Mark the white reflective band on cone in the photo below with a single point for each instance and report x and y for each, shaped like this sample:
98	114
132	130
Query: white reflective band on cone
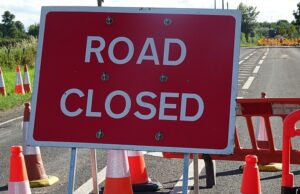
19	79
261	128
2	85
117	164
28	150
24	126
135	153
19	187
26	78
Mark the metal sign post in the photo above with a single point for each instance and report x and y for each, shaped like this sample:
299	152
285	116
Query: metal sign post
185	173
93	156
72	171
196	174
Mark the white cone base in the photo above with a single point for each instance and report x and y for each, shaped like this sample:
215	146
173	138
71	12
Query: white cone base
19	187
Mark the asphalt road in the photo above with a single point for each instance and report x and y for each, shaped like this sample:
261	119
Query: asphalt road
273	70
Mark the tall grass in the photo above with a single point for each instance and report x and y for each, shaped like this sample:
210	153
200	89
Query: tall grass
22	53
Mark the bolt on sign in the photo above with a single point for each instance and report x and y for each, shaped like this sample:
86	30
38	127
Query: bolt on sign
155	79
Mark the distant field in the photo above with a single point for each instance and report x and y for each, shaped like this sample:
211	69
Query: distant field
12	100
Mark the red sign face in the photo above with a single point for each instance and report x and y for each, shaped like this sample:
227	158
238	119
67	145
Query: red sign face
161	79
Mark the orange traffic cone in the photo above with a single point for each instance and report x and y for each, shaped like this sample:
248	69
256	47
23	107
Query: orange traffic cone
33	158
263	143
26	82
19	83
117	173
138	173
2	84
18	180
262	137
250	179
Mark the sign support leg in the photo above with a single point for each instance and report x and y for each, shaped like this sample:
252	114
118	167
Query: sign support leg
94	170
210	168
196	174
72	170
185	173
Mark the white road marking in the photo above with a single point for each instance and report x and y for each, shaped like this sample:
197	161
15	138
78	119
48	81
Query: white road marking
241	61
11	120
177	189
264	57
260	62
252	53
244	71
87	187
247	57
157	154
256	69
244	74
248	65
248	83
246	68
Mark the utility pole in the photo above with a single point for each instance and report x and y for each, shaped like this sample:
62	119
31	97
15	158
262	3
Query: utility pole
215	4
222	4
227	5
100	2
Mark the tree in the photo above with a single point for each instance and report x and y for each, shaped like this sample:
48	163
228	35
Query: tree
282	27
7	18
291	31
20	26
33	30
12	31
297	15
10	28
1	30
249	15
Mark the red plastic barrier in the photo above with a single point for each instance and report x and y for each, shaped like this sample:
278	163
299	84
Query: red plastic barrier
266	108
289	132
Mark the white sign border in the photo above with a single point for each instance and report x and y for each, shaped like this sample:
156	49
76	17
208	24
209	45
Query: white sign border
230	143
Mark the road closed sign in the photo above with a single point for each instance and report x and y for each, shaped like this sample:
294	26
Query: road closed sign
136	78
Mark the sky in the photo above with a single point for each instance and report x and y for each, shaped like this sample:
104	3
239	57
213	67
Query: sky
28	11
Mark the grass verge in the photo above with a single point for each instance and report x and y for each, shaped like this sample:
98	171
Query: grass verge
13	100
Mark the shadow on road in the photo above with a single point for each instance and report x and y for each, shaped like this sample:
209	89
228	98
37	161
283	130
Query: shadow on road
279	176
225	173
4	188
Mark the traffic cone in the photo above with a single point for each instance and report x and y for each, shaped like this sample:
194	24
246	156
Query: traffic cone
18	180
261	132
19	83
26	82
138	173
117	173
263	143
33	159
250	179
2	84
